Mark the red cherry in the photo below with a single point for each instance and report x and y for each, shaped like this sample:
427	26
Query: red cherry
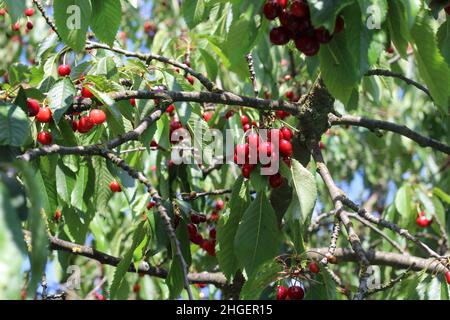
220	205
246	171
295	293
287	133
97	116
64	70
114	186
285	148
307	45
33	107
242	150
246	127
30	25
154	144
85	124
212	233
133	102
74	124
86	93
282	3
196	238
45	137
44	115
2	12
279	36
266	148
136	288
29	12
271	9
288	161
57	215
253	140
321	145
192	229
150	204
322	35
447	274
16	26
244	120
276	180
207	116
170	109
229	114
147	26
340	24
299	9
314	267
282	293
190	79
274	133
214	216
175	125
197	218
282	114
290	95
423	221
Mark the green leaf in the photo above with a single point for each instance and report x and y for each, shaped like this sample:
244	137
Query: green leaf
15	8
72	18
306	189
404	203
124	264
12	250
193	11
339	72
39	239
325	12
228	225
79	188
102	179
432	67
106	17
14	125
61	97
258	237
443	38
263	277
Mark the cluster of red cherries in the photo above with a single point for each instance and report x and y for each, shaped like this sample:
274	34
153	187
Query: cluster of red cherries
209	245
296	25
28	12
295	292
247	155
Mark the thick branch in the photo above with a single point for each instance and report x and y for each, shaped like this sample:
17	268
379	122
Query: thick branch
216	279
373	124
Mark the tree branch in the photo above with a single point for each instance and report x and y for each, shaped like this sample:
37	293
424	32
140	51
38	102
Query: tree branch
388	73
373	124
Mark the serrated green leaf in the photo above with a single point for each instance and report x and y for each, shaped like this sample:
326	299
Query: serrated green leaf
61	97
258	237
106	17
72	18
14	125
